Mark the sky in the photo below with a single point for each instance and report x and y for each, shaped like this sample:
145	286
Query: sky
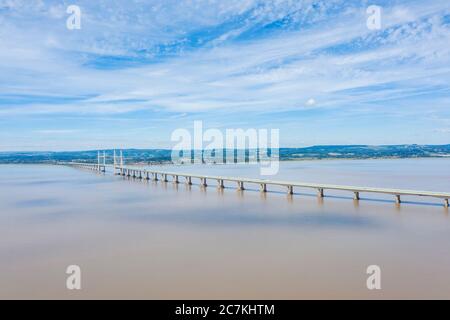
138	70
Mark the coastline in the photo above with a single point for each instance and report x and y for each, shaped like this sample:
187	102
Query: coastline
164	163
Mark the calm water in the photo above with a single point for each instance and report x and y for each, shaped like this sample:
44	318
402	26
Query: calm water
136	239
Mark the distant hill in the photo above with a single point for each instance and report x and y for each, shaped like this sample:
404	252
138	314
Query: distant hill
366	152
315	152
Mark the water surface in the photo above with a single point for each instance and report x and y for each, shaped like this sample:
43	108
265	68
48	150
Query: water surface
137	239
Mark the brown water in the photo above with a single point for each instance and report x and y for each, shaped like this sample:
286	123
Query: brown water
135	239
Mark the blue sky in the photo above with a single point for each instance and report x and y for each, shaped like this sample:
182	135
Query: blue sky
137	70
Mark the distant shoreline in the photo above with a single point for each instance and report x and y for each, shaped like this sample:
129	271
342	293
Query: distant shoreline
164	156
252	162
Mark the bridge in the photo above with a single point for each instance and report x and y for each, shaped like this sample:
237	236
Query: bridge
176	177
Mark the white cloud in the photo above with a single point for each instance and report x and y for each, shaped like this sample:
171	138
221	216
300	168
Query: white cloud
323	55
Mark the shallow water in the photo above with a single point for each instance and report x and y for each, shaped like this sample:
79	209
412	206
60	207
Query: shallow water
137	239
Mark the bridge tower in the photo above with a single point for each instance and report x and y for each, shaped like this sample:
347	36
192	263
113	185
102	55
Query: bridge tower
101	166
115	162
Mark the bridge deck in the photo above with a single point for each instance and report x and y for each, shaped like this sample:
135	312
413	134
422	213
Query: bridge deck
435	194
144	173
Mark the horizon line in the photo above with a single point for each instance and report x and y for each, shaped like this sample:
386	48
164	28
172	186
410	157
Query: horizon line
168	149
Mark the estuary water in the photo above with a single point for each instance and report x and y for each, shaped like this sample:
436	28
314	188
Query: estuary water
156	240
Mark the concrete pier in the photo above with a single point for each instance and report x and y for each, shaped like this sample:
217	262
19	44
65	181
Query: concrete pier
290	189
320	192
